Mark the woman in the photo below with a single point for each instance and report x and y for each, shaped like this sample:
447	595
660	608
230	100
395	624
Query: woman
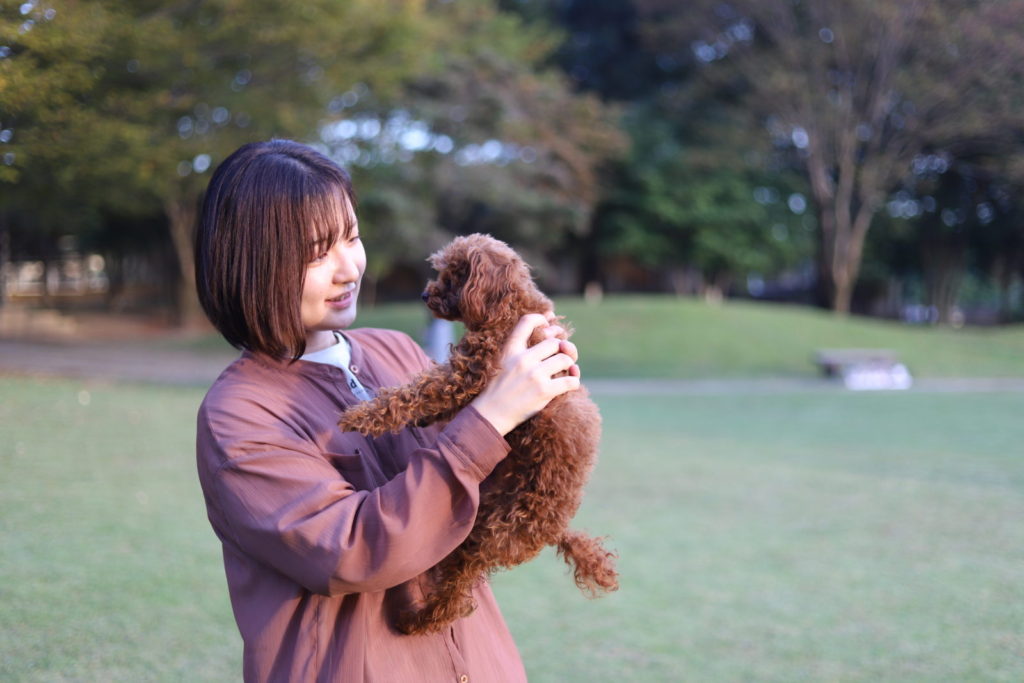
327	534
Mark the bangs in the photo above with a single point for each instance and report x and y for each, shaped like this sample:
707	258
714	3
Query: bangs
330	218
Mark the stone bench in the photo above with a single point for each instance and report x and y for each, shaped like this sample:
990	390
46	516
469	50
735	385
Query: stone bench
864	368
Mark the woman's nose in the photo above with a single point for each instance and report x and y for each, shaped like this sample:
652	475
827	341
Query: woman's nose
346	269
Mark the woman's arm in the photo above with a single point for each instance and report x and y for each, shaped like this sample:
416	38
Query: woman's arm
291	510
274	497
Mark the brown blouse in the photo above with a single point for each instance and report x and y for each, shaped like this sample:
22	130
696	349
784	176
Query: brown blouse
325	534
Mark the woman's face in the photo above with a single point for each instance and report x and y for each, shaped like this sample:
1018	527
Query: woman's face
331	287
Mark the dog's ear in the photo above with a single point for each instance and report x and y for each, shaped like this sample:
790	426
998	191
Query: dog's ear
491	292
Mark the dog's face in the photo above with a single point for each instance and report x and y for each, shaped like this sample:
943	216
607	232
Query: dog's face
443	293
479	280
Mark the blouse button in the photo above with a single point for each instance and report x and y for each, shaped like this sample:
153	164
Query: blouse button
463	678
354	368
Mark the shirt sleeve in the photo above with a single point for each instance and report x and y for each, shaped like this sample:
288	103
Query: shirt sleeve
291	509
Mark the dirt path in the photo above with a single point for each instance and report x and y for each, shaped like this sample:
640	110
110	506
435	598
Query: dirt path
122	349
110	361
104	347
142	362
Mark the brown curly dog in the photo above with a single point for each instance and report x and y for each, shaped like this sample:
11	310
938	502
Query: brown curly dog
527	501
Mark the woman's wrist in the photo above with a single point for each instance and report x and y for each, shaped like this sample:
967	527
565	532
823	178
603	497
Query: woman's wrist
496	417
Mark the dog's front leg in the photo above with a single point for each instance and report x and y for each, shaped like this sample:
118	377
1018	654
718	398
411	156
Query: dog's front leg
436	395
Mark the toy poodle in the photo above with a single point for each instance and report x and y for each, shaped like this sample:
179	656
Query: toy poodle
527	501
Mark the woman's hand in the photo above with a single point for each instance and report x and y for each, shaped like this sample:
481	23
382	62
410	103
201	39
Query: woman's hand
527	380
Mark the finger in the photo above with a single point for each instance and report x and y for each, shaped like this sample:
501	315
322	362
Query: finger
520	334
561	385
556	364
569	349
541	351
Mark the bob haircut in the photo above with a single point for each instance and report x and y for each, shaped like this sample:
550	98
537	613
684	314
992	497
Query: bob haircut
269	209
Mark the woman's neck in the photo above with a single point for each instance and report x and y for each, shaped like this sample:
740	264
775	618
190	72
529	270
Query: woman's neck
320	340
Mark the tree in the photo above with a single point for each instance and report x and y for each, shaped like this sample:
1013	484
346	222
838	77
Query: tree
132	103
682	204
486	138
158	93
698	197
953	219
856	90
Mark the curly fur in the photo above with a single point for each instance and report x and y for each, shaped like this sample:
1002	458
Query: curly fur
527	501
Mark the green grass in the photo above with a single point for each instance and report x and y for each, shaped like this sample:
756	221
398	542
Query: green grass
820	536
814	537
687	338
659	336
108	569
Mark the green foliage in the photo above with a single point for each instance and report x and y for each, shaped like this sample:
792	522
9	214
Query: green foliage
856	91
513	150
681	200
669	136
157	94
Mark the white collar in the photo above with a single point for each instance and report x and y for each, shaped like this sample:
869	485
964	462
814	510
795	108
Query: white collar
338	353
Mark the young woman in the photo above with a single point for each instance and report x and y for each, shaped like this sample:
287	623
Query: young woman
327	534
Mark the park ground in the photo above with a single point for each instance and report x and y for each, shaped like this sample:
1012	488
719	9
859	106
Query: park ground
770	527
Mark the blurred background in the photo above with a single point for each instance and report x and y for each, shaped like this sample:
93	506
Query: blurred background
858	157
737	204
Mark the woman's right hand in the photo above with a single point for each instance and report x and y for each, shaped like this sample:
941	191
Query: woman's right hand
526	382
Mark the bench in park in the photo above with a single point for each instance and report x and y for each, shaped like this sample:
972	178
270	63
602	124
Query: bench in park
864	368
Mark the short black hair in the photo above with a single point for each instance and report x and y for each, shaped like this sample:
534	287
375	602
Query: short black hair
268	209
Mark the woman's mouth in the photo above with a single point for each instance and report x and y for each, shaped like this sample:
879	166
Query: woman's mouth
342	300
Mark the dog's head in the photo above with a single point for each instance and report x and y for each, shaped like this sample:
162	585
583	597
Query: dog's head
482	282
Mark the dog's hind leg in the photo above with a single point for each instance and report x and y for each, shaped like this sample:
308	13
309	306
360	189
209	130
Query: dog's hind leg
449	599
593	566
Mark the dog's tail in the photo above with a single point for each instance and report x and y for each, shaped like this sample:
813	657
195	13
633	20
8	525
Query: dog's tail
593	567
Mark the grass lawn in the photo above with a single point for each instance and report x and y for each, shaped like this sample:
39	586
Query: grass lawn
687	338
670	337
814	537
823	536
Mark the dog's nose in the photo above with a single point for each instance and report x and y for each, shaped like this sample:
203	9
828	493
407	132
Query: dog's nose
424	295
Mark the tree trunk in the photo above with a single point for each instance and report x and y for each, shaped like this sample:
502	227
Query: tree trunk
181	218
842	251
50	280
944	263
822	192
5	257
114	267
842	295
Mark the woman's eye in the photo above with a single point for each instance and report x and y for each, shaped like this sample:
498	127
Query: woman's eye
354	239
